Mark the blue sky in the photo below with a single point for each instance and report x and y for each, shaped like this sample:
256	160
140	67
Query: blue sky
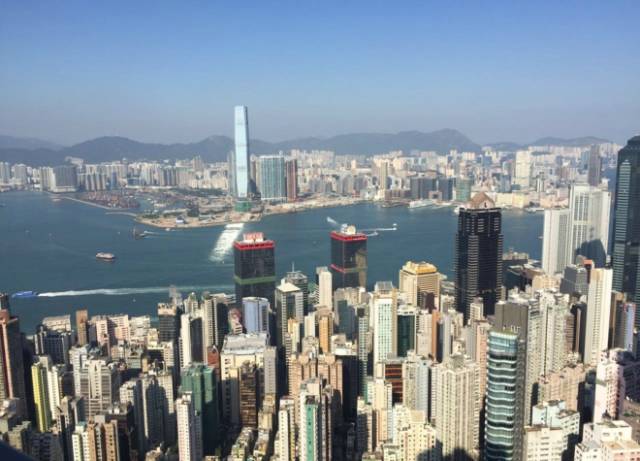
172	71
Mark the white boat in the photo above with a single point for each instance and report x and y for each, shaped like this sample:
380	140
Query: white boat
106	256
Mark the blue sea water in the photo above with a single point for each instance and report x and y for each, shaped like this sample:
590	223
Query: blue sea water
49	246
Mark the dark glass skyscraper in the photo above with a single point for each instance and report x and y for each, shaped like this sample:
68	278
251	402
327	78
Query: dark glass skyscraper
348	258
478	259
255	269
626	227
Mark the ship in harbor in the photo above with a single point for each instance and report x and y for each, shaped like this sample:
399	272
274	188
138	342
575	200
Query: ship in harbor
106	256
25	294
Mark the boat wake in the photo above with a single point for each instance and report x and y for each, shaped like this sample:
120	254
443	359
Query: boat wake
225	241
129	291
332	221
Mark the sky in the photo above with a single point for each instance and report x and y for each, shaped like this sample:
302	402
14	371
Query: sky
161	71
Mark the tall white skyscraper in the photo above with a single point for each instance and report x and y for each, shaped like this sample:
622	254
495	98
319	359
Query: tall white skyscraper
241	153
555	244
384	308
325	287
589	226
598	310
457	405
189	429
522	170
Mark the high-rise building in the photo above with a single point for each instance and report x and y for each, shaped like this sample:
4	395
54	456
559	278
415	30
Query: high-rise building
364	347
589	209
554	243
289	305
299	279
12	375
236	351
255	270
82	326
457	404
316	422
413	435
598	313
191	343
214	320
407	329
39	377
200	382
255	313
189	429
417	372
504	411
103	385
285	439
421	282
325	286
240	157
522	174
291	174
626	227
272	178
153	414
348	258
384	313
594	167
249	395
478	259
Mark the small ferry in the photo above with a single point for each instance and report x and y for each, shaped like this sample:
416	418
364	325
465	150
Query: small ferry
106	256
25	294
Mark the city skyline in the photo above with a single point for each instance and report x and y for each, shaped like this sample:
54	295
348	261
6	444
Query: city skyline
568	72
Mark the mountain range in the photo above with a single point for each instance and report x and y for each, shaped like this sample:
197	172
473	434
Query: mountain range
216	148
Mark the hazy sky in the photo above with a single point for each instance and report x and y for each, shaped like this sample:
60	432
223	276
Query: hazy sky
172	71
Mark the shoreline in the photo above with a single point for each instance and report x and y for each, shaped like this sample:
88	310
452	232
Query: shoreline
85	202
170	224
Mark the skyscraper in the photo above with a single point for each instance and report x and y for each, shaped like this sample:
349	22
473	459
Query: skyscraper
594	167
407	329
384	312
348	258
39	378
289	305
82	326
626	227
325	286
421	282
598	312
272	178
478	259
457	407
255	268
12	377
291	169
241	154
555	243
199	381
504	413
255	313
589	223
189	429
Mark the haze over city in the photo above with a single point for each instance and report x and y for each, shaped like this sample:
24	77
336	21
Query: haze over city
163	72
300	231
